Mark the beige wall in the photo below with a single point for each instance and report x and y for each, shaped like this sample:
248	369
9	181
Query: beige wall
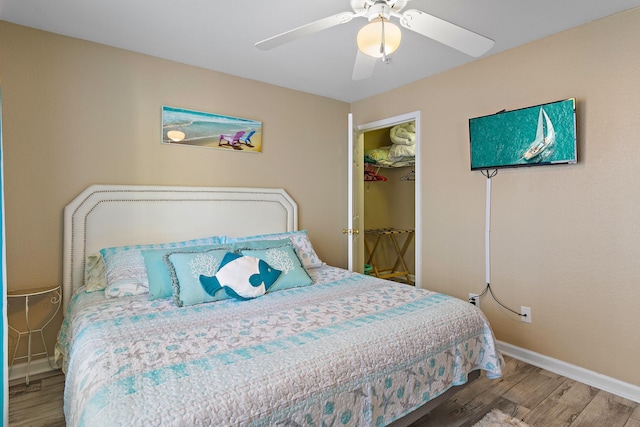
565	239
79	113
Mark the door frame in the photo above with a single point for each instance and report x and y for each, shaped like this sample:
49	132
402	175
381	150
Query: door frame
356	193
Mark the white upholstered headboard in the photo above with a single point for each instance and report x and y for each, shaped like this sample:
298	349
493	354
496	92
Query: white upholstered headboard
115	215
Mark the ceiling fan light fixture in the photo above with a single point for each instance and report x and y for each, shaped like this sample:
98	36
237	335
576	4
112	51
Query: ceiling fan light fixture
370	40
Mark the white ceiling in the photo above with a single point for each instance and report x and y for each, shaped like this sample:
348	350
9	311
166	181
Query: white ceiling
220	35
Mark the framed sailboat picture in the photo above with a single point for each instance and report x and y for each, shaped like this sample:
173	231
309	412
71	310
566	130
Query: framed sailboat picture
541	135
195	128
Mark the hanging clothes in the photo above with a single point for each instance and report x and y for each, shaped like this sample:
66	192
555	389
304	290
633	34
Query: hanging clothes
371	173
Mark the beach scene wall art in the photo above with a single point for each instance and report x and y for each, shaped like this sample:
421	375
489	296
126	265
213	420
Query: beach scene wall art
196	128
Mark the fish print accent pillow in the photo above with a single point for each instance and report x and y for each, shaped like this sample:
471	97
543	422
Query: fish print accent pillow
285	259
242	277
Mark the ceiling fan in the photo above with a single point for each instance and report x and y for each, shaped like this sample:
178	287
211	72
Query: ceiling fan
381	37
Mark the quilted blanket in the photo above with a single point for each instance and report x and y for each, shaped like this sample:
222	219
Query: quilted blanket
349	350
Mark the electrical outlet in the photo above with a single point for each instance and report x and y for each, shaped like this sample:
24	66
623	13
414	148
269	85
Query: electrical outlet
525	314
474	299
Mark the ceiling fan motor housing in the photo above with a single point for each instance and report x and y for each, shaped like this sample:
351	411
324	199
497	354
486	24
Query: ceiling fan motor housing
379	10
372	9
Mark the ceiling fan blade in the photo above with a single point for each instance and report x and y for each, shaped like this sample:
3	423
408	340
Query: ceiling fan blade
306	30
445	32
363	68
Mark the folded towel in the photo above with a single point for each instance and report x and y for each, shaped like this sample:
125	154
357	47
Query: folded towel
400	152
411	127
404	134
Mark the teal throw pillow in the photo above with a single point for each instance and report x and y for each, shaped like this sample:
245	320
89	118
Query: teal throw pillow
300	240
160	283
185	269
285	259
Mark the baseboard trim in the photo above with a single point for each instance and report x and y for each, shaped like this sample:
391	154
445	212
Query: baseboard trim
594	379
38	366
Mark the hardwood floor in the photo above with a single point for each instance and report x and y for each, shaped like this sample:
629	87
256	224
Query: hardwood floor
40	403
539	397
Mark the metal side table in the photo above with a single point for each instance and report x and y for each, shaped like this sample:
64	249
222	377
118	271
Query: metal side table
56	298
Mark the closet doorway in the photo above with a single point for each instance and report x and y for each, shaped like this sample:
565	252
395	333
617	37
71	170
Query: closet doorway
385	197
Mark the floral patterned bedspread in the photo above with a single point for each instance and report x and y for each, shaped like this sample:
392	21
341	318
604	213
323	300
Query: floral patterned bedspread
349	350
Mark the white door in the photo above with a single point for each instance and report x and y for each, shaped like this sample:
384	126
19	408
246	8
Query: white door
356	199
356	190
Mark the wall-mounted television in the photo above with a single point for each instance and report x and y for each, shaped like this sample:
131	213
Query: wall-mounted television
541	135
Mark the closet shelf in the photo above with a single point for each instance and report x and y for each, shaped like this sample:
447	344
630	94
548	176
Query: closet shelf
372	174
406	164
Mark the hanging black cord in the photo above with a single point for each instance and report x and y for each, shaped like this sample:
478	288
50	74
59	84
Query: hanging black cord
489	173
488	289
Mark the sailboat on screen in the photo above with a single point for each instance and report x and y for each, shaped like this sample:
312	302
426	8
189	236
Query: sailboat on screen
541	142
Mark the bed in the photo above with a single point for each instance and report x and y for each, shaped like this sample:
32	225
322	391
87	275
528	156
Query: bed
338	348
